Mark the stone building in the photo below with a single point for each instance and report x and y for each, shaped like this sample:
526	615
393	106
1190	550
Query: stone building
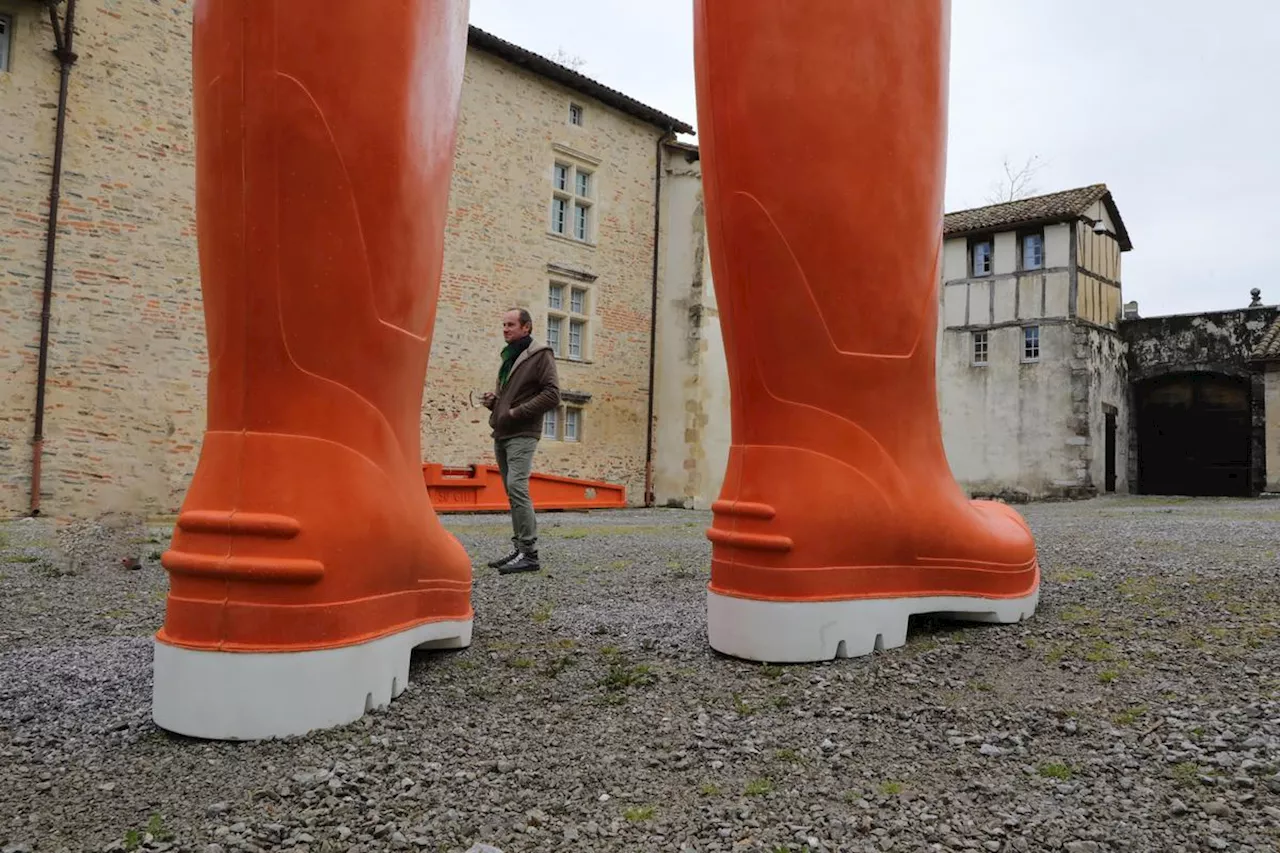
1031	370
555	206
1050	386
1204	420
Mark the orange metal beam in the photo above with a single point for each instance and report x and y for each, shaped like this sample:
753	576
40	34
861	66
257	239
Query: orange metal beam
478	488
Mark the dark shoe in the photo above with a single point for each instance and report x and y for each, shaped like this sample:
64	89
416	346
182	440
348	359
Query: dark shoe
527	562
493	564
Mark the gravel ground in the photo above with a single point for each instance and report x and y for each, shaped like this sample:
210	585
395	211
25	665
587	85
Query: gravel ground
1139	710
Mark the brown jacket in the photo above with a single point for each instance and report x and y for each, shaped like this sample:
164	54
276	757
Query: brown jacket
532	390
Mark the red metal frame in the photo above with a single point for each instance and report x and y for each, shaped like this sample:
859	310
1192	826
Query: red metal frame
478	488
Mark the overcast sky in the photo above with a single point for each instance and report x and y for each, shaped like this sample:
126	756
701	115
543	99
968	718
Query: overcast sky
1175	105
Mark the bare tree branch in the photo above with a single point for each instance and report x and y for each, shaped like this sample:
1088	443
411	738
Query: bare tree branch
567	59
1016	183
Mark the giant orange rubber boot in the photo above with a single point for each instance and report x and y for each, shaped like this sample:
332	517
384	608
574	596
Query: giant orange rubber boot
823	127
307	562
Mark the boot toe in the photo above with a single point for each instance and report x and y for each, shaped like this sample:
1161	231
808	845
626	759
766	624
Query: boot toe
1013	540
1003	509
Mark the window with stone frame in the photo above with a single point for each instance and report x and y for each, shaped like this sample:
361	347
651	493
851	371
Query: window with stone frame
567	421
1031	343
572	194
563	423
568	319
981	348
572	423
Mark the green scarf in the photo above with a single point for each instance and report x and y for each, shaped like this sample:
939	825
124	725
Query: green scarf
509	355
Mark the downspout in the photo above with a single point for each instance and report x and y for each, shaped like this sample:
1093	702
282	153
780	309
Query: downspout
653	314
66	58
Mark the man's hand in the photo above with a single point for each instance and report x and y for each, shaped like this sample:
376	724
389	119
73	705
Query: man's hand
488	398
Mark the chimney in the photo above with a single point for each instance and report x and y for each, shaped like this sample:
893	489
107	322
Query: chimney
1257	298
1131	310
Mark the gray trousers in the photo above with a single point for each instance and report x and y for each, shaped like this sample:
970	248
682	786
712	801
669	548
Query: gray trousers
515	461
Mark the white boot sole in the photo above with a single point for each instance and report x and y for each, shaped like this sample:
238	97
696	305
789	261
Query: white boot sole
253	695
809	631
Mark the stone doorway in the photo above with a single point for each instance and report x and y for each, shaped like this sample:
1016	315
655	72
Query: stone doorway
1109	448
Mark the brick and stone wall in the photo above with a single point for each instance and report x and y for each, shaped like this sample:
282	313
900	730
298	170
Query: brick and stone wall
127	361
126	366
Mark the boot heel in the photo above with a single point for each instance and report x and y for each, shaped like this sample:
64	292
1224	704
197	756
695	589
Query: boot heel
307	562
253	696
808	631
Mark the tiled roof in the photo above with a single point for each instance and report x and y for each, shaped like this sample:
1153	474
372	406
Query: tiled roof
571	79
1053	207
1268	349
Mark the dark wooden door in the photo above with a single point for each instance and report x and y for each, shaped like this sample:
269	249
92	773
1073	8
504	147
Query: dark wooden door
1194	435
1111	452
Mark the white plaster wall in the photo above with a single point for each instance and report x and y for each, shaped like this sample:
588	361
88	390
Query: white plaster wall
691	404
955	259
714	388
953	304
1098	210
1006	300
1108	386
1057	245
1026	296
1006	253
979	303
1057	294
1004	426
677	367
1031	296
1271	400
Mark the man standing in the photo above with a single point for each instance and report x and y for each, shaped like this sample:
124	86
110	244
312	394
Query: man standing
527	389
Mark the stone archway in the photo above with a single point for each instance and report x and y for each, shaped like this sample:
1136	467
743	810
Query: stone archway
1194	433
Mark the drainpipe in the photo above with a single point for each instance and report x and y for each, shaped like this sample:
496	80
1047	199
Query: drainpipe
653	315
66	58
